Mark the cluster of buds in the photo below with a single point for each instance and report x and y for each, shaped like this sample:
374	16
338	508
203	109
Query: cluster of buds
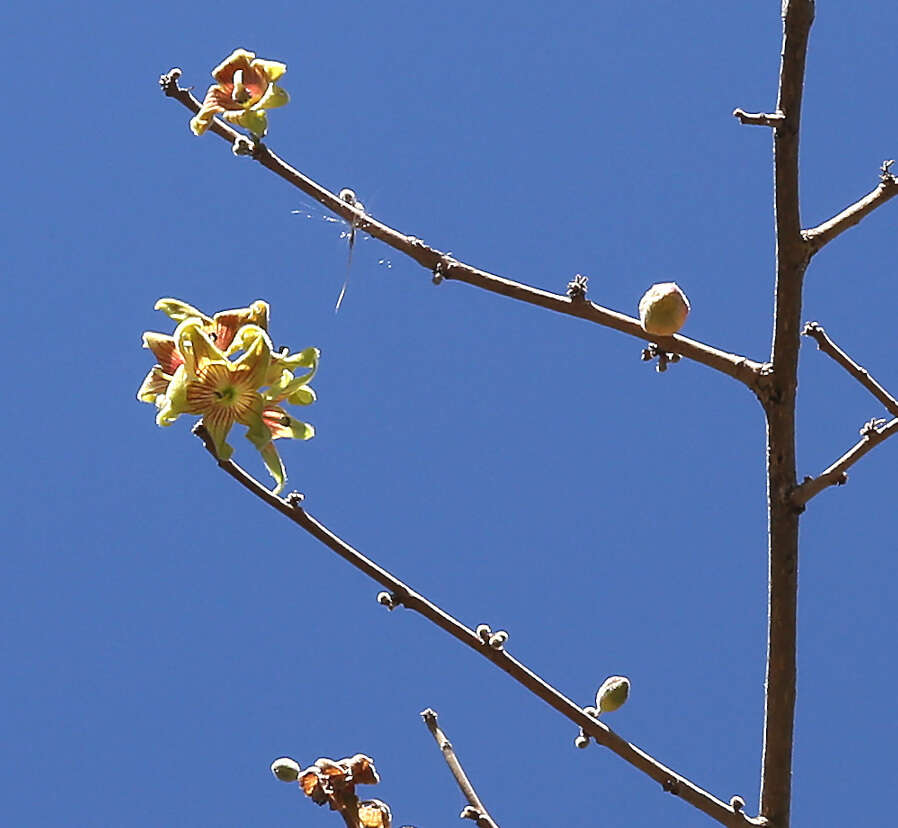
225	369
333	783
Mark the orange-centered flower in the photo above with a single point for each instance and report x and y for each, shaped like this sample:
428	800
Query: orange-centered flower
244	89
197	373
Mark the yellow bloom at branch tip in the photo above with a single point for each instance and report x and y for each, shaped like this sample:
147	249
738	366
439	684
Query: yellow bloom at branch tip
243	92
224	369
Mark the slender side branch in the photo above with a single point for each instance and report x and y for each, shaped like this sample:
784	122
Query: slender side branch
862	375
792	256
402	594
824	233
759	118
476	809
444	266
872	434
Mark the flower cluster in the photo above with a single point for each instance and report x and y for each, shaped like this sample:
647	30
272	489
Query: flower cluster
225	369
333	783
243	91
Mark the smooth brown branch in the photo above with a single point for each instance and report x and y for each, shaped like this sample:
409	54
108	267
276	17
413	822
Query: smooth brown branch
862	375
872	434
443	266
820	235
476	809
759	118
792	257
489	645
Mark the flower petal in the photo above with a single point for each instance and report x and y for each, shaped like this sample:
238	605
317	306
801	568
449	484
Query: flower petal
154	385
227	323
272	69
302	396
163	348
238	59
195	347
179	311
274	97
275	466
281	425
254	120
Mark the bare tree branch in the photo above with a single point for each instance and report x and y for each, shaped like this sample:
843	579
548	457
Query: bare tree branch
489	646
792	257
444	266
759	118
872	434
824	233
476	809
862	375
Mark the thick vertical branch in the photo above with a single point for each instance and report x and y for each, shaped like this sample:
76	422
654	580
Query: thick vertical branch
792	256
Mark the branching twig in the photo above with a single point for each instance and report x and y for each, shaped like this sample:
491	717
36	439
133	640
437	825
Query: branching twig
774	119
862	375
872	434
792	256
820	235
491	648
476	809
739	367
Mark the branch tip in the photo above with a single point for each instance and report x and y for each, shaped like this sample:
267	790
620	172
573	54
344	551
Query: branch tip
774	119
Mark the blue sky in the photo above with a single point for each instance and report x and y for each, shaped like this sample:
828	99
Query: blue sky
166	637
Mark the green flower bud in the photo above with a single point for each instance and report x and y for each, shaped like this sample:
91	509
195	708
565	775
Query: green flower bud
612	694
663	309
285	769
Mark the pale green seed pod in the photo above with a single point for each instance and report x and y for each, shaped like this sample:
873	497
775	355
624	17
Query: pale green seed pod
663	309
285	769
612	694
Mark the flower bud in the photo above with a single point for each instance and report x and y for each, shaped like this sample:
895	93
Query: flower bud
663	309
285	769
612	694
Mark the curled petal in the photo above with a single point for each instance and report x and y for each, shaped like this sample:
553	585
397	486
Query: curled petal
195	347
256	121
302	396
271	69
274	97
227	323
275	467
175	401
281	425
164	349
154	385
238	59
179	311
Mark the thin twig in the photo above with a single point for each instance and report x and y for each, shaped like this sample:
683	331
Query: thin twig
862	375
774	119
739	367
480	814
824	233
792	256
402	594
872	434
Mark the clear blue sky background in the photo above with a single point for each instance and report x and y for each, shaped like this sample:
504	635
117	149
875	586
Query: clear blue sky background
165	636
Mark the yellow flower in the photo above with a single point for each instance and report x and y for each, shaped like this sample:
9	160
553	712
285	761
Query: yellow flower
244	89
196	374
